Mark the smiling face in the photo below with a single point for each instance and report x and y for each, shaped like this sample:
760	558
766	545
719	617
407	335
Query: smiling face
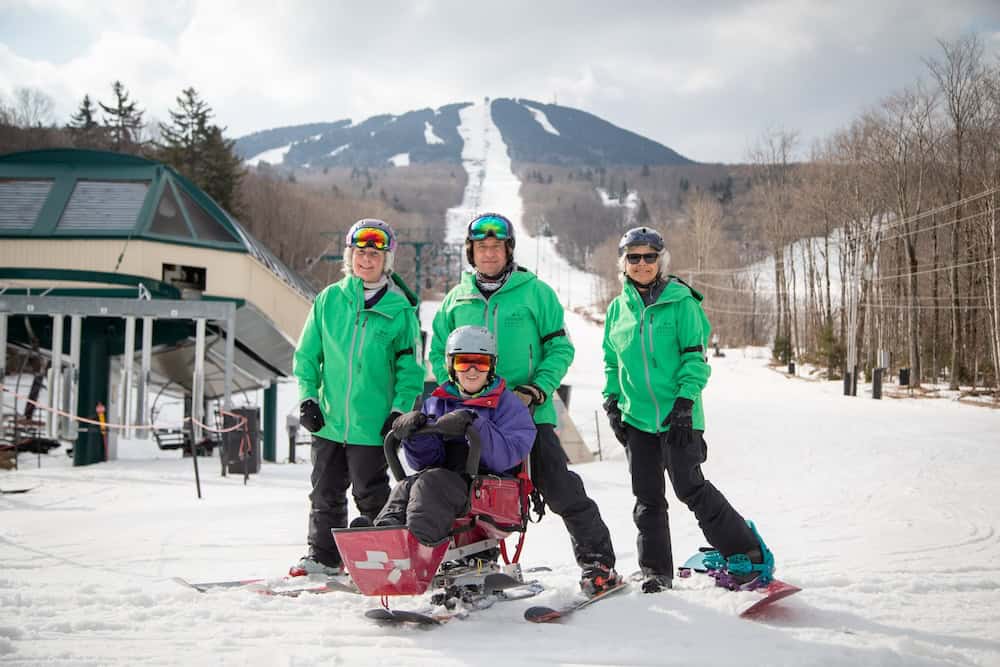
489	256
642	272
472	380
367	263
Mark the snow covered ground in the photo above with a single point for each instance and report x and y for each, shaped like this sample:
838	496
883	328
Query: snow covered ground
885	512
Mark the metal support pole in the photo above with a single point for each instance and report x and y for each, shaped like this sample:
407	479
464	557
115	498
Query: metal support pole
72	392
227	389
198	381
3	366
197	397
55	373
142	411
128	362
270	423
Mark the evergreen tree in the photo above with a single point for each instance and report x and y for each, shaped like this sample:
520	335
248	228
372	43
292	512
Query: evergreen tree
223	170
182	142
200	151
122	120
83	126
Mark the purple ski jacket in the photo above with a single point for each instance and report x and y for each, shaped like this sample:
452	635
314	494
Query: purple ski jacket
505	426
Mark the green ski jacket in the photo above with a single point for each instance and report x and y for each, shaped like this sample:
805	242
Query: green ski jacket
653	354
527	319
360	364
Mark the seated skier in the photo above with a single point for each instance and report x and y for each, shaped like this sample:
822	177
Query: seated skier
429	501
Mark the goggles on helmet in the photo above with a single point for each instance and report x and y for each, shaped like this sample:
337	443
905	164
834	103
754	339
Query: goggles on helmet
490	225
463	362
370	237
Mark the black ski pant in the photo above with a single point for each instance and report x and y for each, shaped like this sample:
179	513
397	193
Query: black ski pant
563	492
648	456
427	503
336	467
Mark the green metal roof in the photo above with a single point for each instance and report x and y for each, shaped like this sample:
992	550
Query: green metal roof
67	193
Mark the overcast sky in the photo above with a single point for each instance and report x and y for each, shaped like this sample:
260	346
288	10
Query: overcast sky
703	81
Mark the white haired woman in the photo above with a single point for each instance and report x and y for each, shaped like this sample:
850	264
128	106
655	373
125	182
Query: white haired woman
655	336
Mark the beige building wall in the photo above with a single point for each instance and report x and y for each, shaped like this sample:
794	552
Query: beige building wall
228	274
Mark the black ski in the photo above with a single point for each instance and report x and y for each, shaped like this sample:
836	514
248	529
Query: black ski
286	588
503	589
548	614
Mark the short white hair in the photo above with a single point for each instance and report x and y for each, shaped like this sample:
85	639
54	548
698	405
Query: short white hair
662	264
348	267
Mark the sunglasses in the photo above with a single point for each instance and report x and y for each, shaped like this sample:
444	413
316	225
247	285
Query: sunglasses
648	257
481	362
489	226
370	237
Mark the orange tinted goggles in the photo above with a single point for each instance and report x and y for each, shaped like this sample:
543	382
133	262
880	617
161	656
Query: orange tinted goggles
481	362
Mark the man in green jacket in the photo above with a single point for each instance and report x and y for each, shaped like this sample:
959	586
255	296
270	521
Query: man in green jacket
533	354
359	366
655	335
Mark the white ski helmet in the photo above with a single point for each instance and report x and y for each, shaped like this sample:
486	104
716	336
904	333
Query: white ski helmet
471	340
370	233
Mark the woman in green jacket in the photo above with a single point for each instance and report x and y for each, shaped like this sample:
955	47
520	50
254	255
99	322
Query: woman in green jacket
358	365
655	336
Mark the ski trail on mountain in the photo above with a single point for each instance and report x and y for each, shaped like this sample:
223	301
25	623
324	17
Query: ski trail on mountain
493	186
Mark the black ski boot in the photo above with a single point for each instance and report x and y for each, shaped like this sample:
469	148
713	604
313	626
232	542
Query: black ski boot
656	583
596	578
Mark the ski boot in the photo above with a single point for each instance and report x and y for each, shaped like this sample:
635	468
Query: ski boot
656	583
308	565
596	578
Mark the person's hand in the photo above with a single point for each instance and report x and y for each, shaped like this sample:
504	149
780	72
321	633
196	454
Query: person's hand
455	423
387	424
529	394
405	424
615	419
310	416
679	419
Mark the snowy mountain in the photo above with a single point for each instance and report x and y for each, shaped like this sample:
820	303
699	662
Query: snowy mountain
533	132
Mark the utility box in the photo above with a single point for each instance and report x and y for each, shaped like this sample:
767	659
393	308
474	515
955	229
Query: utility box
234	441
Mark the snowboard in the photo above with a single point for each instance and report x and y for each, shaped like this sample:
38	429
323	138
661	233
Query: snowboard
765	595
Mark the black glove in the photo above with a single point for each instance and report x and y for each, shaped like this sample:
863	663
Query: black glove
529	394
406	424
310	416
615	419
679	419
387	424
455	423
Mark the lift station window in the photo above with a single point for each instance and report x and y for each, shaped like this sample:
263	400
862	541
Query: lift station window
103	205
185	277
20	202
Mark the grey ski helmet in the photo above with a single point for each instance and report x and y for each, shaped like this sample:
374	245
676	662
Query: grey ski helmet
471	340
640	236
